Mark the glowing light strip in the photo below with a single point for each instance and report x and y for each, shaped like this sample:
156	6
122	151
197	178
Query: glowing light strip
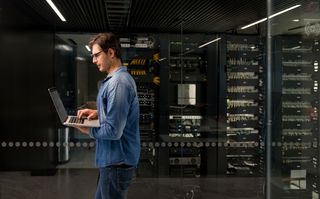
209	42
296	47
254	23
271	16
283	11
56	10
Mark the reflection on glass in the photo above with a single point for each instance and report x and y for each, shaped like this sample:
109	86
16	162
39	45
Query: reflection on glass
295	57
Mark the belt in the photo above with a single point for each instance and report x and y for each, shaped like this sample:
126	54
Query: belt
119	166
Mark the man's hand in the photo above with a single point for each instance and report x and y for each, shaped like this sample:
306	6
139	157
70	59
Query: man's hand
88	113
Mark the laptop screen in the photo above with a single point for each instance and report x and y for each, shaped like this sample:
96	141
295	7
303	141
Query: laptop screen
63	115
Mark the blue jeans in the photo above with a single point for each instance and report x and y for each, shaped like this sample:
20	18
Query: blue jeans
114	182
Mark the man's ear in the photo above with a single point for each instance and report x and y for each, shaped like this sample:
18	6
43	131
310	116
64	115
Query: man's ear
112	52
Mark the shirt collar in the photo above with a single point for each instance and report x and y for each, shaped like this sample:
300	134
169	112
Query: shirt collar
120	69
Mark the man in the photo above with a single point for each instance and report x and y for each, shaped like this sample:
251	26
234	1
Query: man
117	138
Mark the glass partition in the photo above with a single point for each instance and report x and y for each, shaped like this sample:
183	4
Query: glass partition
294	77
227	113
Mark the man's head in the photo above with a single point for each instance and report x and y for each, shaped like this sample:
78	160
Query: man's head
106	51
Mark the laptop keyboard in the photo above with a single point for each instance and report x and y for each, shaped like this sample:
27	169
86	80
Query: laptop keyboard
75	120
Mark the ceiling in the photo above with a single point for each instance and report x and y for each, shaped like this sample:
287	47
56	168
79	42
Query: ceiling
85	17
191	16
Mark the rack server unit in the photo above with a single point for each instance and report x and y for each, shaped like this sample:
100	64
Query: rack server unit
297	128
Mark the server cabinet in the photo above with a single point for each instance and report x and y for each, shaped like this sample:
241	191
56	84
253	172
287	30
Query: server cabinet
243	92
296	131
141	56
187	114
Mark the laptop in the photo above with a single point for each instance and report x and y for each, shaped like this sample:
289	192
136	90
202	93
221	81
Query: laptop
69	120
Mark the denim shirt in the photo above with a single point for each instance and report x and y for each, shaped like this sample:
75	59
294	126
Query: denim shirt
118	137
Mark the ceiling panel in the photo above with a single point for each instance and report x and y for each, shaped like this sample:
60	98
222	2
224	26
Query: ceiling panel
149	16
193	16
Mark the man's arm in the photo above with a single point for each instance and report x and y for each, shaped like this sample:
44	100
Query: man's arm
118	105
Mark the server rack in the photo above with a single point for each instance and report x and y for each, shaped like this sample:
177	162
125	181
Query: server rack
187	88
243	81
199	104
296	71
141	56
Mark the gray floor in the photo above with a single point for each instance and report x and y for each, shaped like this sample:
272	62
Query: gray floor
76	179
80	158
80	184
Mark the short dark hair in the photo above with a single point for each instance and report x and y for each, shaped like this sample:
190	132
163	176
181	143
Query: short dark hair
107	40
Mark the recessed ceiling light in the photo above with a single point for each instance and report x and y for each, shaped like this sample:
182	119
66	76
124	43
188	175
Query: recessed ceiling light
295	20
203	45
271	16
283	11
64	47
56	10
296	47
80	58
161	59
254	23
